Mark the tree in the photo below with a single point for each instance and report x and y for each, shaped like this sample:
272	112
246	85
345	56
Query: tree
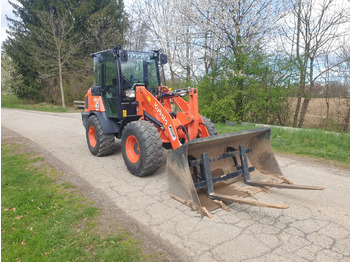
137	35
50	41
106	27
56	43
240	27
317	27
9	80
161	19
344	69
266	81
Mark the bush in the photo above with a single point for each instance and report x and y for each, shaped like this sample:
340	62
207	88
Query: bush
253	91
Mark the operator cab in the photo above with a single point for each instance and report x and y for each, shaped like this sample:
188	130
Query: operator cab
116	73
140	69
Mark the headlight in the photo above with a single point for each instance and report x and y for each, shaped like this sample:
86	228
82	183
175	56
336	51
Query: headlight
130	93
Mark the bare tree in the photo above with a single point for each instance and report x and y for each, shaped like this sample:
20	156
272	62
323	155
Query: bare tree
240	27
234	23
159	19
347	118
345	74
327	79
177	35
137	35
318	26
56	43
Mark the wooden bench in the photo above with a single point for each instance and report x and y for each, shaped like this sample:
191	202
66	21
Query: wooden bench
79	104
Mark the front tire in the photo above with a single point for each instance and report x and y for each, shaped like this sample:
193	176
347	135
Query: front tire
99	143
210	126
141	148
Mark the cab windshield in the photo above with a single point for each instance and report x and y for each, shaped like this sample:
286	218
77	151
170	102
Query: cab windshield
140	69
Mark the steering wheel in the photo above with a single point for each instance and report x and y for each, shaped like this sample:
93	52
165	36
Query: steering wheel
109	88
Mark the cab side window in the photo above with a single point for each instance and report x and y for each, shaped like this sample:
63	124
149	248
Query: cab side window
108	82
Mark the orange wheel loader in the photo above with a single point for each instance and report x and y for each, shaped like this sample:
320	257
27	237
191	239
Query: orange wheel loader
130	101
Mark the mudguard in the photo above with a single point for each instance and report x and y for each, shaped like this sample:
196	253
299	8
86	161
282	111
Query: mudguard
109	126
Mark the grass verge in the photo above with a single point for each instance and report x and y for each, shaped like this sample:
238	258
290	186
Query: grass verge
305	142
45	221
11	101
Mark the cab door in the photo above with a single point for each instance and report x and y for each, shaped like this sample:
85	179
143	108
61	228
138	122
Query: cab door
107	77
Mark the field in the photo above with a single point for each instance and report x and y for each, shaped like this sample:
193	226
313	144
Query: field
316	115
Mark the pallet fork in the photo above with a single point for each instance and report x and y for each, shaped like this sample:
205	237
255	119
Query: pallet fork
227	172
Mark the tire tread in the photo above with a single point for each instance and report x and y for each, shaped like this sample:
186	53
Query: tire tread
105	142
153	147
210	126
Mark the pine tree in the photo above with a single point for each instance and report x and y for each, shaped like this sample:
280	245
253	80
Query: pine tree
49	39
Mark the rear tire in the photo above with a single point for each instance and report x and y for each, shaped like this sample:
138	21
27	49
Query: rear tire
141	148
210	126
99	143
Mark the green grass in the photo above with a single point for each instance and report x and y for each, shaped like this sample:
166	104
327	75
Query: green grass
306	142
11	101
45	221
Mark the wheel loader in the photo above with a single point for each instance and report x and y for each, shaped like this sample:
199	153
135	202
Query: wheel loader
130	101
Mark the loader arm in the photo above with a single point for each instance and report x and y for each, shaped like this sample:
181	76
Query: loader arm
185	125
152	109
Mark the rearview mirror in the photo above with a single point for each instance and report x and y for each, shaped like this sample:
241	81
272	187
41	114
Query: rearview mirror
124	56
163	59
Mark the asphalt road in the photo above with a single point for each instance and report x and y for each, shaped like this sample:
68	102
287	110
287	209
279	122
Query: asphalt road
316	227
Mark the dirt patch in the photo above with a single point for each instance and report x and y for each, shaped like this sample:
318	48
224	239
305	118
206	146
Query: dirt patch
111	217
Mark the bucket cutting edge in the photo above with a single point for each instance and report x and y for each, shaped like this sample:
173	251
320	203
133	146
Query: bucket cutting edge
227	168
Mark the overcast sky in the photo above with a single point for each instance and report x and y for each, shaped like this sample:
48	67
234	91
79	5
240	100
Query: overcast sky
6	9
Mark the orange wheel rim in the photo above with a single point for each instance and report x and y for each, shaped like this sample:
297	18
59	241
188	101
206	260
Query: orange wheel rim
202	130
132	149
92	136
